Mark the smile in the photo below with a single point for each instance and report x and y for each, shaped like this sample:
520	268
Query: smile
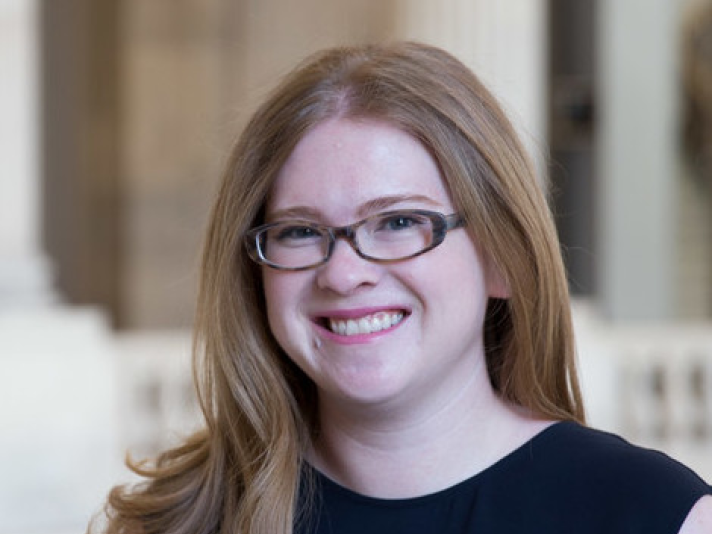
367	324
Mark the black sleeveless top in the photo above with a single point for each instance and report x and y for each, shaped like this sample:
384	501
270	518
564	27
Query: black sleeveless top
568	479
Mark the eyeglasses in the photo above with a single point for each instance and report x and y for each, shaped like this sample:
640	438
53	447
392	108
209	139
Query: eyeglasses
385	237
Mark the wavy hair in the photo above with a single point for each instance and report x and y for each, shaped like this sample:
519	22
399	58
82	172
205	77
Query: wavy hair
242	473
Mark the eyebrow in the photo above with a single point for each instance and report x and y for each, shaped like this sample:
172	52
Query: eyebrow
382	203
372	206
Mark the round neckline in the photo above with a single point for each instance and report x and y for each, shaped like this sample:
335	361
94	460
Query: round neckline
475	479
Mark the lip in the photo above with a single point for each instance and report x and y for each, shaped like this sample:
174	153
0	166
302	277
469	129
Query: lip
319	321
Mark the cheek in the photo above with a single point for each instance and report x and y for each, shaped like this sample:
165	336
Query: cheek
460	278
282	292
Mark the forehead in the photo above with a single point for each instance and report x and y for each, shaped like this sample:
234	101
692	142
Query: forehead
343	164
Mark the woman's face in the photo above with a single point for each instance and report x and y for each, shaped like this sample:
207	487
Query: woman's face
341	172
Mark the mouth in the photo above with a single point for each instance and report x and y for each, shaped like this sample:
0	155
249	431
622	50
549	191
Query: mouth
366	324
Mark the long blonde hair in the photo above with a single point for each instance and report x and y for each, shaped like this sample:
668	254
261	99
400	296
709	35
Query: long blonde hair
242	474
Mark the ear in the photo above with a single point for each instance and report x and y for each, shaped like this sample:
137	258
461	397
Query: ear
497	286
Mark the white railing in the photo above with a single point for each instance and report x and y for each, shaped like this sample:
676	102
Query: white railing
158	401
652	383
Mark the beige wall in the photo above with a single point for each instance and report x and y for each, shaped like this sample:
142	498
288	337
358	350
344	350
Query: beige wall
176	68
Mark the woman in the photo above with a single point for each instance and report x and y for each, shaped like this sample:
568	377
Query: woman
383	341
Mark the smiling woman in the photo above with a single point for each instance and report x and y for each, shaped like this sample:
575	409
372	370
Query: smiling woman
384	341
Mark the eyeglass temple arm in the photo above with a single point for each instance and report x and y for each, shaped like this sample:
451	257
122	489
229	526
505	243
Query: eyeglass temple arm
454	221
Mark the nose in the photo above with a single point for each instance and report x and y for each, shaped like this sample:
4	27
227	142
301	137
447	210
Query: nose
346	271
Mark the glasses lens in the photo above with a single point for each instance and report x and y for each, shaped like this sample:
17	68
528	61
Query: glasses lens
293	244
395	235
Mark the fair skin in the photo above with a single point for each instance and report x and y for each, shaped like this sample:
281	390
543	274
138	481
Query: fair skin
412	401
699	520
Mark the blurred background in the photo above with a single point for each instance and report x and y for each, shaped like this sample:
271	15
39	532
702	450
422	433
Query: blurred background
115	121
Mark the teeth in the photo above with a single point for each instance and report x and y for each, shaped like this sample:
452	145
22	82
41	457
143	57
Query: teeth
365	325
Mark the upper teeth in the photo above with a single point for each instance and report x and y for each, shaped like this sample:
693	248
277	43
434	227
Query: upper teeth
365	325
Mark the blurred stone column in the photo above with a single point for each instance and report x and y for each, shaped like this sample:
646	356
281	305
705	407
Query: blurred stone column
57	397
503	41
637	165
25	275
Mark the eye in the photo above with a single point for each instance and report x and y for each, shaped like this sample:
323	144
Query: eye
296	232
398	222
294	235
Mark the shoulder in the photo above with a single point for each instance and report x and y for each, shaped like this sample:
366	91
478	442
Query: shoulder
607	457
699	520
616	485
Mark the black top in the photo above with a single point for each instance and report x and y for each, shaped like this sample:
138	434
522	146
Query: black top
568	479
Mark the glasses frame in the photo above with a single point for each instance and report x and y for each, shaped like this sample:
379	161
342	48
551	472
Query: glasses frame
442	224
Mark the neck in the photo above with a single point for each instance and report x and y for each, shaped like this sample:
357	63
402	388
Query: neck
392	452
